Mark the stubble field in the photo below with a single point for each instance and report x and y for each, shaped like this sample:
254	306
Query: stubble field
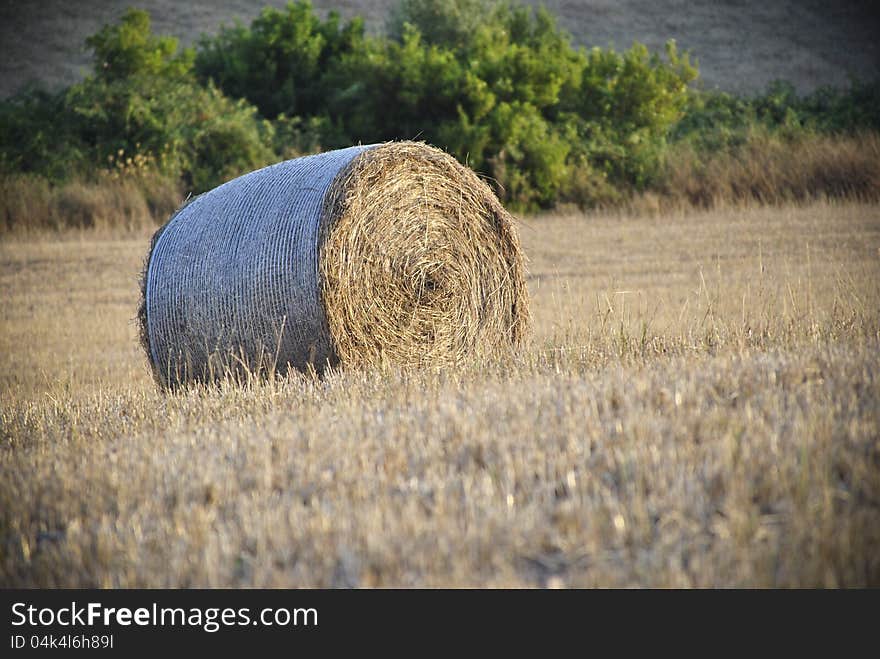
700	407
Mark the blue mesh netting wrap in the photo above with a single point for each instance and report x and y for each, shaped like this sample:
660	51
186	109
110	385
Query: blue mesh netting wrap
234	273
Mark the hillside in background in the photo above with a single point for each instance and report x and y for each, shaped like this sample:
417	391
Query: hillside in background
741	46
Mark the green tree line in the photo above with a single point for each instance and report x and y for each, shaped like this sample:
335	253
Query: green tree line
498	85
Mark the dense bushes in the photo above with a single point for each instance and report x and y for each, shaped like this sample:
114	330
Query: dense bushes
280	62
141	102
716	120
498	85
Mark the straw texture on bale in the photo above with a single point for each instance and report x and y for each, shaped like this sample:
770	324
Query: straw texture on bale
383	254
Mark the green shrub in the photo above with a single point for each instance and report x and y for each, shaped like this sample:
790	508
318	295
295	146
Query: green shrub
279	62
498	85
716	120
489	100
143	101
36	136
450	23
623	109
227	141
130	49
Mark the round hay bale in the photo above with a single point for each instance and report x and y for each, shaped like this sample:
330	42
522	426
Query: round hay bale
382	254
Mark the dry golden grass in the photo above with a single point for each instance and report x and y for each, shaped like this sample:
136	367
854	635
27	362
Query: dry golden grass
118	201
769	169
701	407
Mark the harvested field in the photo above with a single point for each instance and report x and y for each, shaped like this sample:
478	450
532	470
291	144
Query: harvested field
700	406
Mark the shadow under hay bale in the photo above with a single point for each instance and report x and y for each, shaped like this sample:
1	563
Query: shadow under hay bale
382	254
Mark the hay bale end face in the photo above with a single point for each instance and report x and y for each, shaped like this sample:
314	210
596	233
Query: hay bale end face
383	254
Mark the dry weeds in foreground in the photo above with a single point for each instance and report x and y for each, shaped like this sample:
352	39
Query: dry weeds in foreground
701	407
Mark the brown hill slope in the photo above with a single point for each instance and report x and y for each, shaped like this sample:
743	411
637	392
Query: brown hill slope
741	45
